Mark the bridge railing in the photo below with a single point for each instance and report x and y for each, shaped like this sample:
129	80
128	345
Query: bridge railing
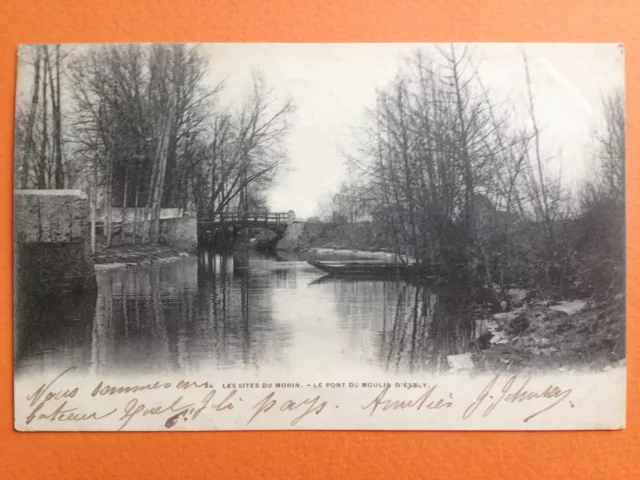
246	217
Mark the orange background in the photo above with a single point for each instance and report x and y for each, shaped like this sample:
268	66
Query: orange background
357	455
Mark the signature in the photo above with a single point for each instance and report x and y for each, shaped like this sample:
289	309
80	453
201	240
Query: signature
425	400
492	396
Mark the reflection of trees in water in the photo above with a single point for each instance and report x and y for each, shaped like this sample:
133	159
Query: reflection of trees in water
426	328
413	327
54	332
234	302
211	310
284	278
217	310
140	316
214	295
364	304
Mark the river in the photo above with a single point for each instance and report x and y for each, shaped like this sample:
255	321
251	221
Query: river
245	311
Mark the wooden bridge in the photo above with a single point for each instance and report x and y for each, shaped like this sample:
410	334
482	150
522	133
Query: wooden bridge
223	228
245	220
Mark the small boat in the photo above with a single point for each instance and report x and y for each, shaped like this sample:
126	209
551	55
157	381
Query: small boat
374	270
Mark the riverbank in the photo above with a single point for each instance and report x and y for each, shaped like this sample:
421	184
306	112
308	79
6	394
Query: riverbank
552	336
305	236
326	241
120	256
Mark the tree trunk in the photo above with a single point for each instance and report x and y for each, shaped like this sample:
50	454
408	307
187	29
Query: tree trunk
135	211
95	204
541	189
42	167
109	201
24	174
161	158
54	85
92	217
124	207
145	224
408	178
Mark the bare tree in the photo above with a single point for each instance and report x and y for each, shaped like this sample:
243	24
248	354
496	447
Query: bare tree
39	134
28	143
601	229
54	85
246	151
139	112
444	168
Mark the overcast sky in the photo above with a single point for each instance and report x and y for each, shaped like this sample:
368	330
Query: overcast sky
332	84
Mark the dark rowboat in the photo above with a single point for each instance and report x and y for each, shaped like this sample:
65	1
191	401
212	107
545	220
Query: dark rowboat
374	270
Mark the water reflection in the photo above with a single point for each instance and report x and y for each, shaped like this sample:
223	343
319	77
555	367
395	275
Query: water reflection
46	334
425	329
412	328
246	311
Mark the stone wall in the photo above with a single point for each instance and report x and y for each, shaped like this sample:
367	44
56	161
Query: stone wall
51	215
52	242
131	214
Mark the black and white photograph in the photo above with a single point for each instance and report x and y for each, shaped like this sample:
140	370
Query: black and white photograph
320	236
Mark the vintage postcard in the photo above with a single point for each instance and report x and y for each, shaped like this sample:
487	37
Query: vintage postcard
320	236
